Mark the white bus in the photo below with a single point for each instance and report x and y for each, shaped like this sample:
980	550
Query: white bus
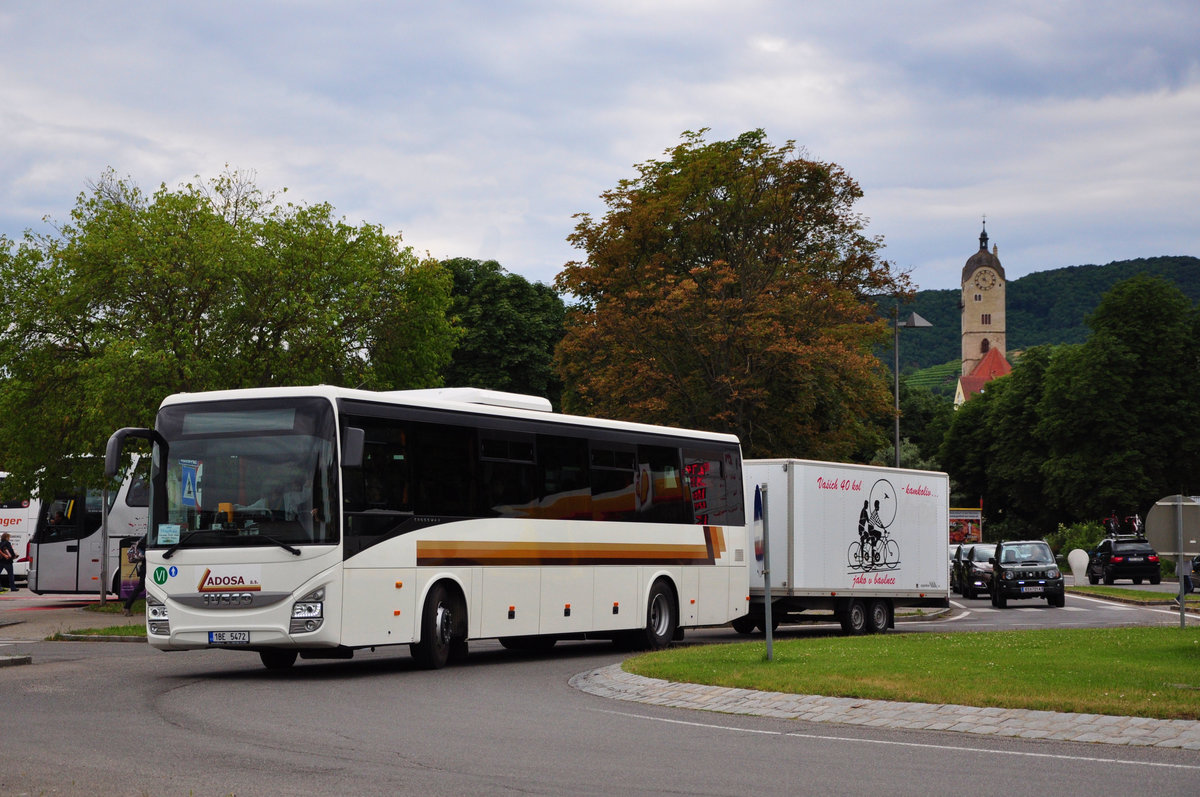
18	516
64	550
317	521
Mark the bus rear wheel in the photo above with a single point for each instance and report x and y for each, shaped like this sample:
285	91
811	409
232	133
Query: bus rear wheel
662	618
744	624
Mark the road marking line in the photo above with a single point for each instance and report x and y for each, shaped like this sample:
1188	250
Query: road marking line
916	745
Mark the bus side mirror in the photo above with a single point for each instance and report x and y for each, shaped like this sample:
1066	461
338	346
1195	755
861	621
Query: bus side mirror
112	453
352	447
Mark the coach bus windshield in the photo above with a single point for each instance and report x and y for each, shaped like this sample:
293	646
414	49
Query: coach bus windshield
245	473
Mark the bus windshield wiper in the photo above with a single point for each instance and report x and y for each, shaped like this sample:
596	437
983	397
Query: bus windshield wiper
167	554
280	543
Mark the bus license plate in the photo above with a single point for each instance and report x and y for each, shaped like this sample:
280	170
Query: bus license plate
1031	589
229	637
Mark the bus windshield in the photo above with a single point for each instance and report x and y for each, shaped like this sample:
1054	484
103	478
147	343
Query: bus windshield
246	473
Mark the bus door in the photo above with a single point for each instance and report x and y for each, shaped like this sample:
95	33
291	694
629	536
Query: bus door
66	546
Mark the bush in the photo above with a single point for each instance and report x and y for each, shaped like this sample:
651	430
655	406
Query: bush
1084	536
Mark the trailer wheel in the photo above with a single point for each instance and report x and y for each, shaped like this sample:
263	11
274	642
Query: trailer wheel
878	617
854	618
761	623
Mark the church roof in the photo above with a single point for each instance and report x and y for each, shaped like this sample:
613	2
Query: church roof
982	258
991	366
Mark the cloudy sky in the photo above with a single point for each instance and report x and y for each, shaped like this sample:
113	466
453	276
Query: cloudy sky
478	129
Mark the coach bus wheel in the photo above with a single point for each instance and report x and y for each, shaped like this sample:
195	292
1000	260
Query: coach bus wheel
277	659
744	624
660	617
437	630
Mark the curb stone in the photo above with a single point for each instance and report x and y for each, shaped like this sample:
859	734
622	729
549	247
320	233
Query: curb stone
613	682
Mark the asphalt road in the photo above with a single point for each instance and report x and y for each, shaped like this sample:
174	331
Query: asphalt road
118	718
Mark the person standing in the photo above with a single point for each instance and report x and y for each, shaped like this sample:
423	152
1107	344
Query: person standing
7	557
137	556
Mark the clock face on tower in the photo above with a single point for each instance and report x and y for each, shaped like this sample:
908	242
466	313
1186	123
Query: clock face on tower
985	279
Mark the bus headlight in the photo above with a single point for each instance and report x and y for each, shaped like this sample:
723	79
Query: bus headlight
157	620
308	613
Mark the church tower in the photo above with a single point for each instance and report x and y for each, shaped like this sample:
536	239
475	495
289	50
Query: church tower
982	305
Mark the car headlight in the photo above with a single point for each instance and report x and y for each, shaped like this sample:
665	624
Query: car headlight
158	622
1053	573
1009	575
308	612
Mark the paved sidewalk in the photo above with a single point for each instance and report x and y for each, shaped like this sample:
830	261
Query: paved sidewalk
613	682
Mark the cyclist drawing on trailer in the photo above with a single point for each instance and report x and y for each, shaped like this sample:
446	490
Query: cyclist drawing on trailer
874	548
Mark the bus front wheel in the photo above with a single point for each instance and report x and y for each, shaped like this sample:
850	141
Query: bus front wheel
438	621
277	659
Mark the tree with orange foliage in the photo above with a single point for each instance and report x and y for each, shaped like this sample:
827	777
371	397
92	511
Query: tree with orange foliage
729	288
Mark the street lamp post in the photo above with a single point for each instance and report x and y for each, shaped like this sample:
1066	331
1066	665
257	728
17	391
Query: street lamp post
913	320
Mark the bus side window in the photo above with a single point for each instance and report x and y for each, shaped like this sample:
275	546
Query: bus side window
660	486
138	493
61	520
715	485
566	490
443	467
508	474
613	469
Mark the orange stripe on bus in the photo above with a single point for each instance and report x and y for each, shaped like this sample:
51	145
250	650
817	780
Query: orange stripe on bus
479	552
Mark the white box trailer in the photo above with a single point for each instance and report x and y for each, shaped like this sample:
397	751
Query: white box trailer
856	540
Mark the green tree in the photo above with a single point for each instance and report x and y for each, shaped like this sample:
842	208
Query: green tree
964	454
924	419
726	288
207	286
1015	493
510	326
1119	414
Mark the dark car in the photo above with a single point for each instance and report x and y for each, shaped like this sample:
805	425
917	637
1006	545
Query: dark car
975	569
1026	569
956	554
1123	557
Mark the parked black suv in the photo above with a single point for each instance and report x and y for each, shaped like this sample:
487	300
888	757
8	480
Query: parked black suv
1026	569
1124	557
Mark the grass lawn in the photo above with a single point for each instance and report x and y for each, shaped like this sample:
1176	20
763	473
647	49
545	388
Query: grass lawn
113	607
1146	672
1135	595
111	630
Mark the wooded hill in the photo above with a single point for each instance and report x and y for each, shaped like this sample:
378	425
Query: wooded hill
1043	307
